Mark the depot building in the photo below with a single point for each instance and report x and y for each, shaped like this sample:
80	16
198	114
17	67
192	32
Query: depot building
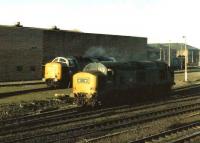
25	50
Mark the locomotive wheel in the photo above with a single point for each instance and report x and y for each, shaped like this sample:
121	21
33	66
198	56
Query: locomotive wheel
94	101
80	101
50	84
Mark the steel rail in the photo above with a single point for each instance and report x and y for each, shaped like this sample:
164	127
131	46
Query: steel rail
14	93
40	115
80	130
123	124
18	119
186	138
165	133
69	118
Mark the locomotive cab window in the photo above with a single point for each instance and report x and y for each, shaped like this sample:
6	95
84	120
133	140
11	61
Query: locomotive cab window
19	68
62	60
110	74
71	63
32	68
34	47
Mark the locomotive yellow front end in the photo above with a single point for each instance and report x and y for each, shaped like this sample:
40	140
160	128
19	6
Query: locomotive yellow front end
52	74
85	88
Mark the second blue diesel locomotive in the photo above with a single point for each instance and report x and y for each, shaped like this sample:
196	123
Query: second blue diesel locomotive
107	82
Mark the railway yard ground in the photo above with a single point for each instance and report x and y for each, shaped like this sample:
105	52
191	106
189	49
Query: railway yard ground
193	78
28	113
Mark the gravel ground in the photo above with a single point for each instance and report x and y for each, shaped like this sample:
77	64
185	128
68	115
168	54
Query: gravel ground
193	78
151	128
32	102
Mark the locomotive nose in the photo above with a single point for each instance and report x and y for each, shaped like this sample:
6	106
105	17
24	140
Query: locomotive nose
84	86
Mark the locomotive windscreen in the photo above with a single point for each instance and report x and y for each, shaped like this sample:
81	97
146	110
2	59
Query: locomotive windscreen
96	67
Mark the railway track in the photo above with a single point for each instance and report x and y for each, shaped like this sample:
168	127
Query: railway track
71	116
177	135
14	93
29	123
186	90
67	117
187	138
46	114
131	121
94	129
22	83
28	118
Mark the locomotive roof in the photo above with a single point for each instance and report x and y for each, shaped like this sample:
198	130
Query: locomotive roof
133	65
96	73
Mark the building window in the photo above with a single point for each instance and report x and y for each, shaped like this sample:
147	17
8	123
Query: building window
34	47
19	68
32	68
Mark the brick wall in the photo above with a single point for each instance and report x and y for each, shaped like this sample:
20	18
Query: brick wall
20	53
23	50
71	43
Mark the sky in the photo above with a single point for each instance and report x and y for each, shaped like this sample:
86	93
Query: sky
161	21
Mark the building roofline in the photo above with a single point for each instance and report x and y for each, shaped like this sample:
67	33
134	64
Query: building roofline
166	45
61	30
